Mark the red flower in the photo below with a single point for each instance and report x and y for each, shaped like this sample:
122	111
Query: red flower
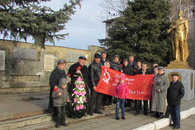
121	65
78	68
68	74
55	89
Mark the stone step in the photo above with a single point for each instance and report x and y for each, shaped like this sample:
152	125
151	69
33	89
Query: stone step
6	117
22	122
44	121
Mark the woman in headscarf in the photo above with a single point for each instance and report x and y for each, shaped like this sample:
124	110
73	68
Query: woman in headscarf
159	93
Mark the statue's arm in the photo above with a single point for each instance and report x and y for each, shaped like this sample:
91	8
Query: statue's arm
171	28
187	29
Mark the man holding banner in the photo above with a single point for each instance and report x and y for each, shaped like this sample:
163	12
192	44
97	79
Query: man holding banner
143	71
96	97
139	85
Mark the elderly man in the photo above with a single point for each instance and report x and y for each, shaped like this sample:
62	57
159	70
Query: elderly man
95	73
54	79
76	70
174	96
79	68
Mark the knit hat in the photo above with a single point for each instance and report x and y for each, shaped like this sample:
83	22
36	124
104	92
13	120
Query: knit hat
61	61
62	82
116	56
161	68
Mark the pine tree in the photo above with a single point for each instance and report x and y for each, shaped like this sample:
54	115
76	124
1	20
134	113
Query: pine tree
141	31
20	19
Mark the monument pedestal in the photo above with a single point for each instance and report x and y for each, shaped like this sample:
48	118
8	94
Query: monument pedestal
178	65
187	77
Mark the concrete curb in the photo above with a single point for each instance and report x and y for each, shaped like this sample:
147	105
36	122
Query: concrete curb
159	124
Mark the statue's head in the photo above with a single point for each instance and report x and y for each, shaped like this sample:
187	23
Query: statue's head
180	13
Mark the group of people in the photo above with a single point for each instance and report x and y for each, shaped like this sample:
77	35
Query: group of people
80	96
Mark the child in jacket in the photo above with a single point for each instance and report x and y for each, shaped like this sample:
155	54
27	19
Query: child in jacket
60	98
121	92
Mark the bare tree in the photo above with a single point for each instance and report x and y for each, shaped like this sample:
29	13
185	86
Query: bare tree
112	8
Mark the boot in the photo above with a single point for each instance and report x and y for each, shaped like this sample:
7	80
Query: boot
57	123
63	122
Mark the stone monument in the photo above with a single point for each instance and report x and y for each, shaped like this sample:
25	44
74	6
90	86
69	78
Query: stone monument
179	34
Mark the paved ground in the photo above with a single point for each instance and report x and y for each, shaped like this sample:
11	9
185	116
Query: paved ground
19	105
110	123
187	124
131	122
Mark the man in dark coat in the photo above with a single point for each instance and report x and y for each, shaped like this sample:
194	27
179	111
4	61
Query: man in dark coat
138	67
107	99
75	70
129	71
126	68
174	95
104	58
131	62
54	79
95	73
143	71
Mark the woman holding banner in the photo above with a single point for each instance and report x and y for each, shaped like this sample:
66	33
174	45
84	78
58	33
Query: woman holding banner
161	84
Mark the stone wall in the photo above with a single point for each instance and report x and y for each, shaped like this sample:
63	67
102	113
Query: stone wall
25	67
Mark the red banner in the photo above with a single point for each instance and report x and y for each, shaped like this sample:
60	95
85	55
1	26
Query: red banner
139	85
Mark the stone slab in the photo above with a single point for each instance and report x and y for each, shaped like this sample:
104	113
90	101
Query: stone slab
49	62
72	57
2	60
187	78
25	53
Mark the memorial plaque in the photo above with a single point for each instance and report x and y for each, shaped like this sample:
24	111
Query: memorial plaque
2	60
25	53
48	62
73	57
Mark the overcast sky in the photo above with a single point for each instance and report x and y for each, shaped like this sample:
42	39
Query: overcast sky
85	28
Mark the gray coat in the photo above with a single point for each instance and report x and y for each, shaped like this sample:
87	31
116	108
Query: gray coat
59	101
159	99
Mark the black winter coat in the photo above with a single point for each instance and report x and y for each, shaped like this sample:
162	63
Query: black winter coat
84	70
140	72
128	70
55	76
95	73
132	65
175	93
116	66
103	62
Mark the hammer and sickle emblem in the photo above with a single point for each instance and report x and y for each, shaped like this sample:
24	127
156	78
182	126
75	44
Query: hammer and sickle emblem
106	76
